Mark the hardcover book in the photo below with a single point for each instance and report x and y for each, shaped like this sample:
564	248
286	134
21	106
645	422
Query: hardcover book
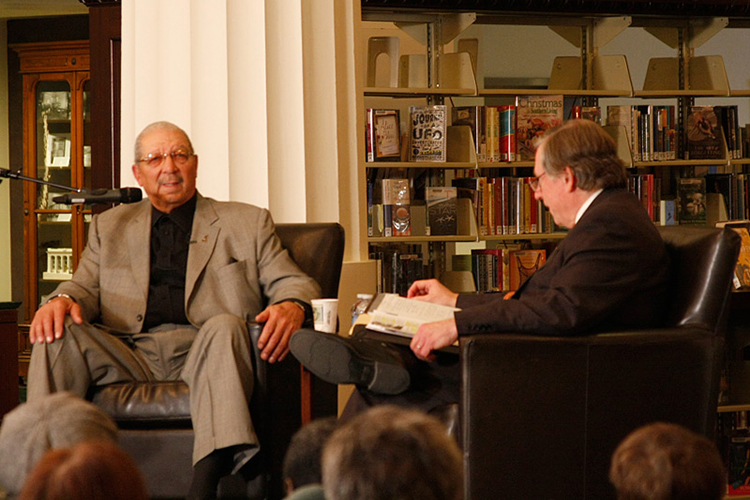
535	114
704	135
524	263
383	135
428	133
442	210
508	133
742	268
396	207
692	196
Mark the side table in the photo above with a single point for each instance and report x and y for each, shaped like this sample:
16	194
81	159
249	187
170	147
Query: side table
8	356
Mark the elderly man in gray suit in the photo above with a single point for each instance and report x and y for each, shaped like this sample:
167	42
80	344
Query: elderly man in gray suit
164	291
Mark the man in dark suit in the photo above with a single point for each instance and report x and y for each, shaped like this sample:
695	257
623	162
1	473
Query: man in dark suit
609	272
171	283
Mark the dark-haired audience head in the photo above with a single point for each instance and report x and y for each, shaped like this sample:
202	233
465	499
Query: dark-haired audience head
302	462
390	452
93	470
664	461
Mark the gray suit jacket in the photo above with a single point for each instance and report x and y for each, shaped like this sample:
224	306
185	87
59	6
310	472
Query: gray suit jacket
234	261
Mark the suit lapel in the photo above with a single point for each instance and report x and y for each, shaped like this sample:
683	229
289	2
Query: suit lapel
202	242
140	254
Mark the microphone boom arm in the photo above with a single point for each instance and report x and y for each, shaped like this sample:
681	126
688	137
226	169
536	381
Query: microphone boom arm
4	172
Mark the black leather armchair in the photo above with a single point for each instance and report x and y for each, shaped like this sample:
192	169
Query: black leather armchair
154	418
541	416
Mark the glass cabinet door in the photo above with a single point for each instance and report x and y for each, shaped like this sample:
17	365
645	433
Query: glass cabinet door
63	157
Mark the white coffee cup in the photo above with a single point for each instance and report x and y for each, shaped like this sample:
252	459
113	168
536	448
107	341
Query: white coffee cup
325	314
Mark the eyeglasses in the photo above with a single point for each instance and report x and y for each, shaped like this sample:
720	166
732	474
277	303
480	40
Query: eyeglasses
534	181
179	157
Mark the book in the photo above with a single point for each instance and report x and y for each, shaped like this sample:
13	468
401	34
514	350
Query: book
704	134
535	114
492	126
396	207
427	138
742	268
487	268
508	133
692	196
391	313
474	117
383	135
524	263
442	210
592	113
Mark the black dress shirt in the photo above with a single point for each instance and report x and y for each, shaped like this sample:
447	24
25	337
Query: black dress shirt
170	240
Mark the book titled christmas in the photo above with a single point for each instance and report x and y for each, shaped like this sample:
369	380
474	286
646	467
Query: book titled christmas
383	135
535	114
427	139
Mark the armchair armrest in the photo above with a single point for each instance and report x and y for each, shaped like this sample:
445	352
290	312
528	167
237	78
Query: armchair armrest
551	410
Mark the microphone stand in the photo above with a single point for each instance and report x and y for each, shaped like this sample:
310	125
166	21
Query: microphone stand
4	172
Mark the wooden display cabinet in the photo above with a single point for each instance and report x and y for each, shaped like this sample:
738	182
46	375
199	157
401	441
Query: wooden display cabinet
57	149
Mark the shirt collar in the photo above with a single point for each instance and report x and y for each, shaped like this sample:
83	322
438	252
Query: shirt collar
182	215
586	204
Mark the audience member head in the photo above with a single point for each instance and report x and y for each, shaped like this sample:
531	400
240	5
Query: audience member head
588	150
303	457
60	420
664	461
91	470
389	452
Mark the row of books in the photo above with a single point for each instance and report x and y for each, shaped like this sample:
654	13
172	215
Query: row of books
500	133
650	128
511	133
398	266
496	269
734	447
505	205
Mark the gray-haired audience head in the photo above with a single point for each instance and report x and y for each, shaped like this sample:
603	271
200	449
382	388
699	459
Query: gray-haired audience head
60	420
390	452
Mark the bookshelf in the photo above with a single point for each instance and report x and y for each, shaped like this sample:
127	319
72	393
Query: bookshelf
592	68
421	58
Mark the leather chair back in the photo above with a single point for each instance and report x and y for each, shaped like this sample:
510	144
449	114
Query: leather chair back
541	416
154	418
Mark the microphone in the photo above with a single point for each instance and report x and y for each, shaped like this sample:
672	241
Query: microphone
122	195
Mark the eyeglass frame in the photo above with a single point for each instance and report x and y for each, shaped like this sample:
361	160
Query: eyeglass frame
534	181
163	156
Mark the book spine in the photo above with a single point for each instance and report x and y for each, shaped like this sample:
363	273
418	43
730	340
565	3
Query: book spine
508	133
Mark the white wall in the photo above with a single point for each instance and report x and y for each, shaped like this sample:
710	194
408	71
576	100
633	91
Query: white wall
5	281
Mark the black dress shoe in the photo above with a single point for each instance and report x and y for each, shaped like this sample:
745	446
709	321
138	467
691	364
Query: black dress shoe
341	360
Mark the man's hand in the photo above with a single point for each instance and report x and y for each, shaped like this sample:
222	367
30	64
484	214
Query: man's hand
432	291
49	320
281	321
431	336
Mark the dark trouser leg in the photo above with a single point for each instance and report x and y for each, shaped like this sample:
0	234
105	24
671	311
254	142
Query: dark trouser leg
432	385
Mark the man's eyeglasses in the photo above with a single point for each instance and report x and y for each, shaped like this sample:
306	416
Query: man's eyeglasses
179	157
534	182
